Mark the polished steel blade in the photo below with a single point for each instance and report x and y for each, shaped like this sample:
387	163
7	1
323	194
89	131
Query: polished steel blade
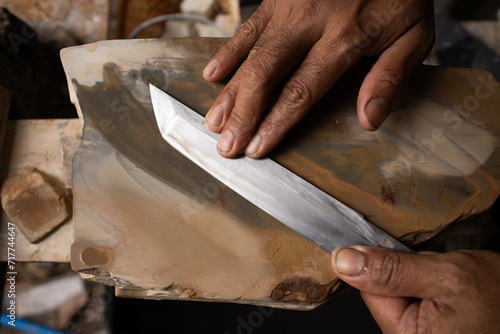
282	194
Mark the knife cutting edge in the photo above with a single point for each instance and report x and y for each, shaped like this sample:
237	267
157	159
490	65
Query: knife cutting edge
282	194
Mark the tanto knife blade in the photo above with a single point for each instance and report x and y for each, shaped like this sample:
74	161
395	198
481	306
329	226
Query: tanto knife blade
290	199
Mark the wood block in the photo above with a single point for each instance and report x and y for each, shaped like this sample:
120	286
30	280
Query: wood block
37	143
147	218
34	202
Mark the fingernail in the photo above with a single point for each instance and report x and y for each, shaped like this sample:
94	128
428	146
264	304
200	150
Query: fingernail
254	145
376	111
226	141
210	68
350	261
214	116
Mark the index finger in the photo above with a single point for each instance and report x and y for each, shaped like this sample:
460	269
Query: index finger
325	62
238	47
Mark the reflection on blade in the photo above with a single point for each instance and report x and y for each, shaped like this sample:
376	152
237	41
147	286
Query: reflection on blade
282	194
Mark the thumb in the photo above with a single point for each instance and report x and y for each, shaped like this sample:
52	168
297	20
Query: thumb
441	282
389	273
383	83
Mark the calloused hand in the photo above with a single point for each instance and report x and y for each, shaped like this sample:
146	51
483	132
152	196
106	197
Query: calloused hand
314	42
455	292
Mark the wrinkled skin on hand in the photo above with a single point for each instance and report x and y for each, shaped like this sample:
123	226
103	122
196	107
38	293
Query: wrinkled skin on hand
312	43
455	292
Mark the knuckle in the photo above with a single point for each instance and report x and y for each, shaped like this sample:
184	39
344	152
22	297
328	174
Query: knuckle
264	37
247	34
310	11
387	270
296	94
242	120
228	95
346	31
230	47
253	52
408	19
393	77
255	73
249	29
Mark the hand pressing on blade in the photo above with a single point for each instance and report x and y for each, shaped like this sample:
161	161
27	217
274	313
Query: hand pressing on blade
454	292
312	43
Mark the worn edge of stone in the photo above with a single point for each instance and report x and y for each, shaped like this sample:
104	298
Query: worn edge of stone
281	299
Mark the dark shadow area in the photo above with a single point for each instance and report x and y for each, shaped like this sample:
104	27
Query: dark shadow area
30	68
344	313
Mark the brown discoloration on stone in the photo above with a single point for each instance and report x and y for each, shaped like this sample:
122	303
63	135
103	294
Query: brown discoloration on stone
302	289
388	195
34	202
